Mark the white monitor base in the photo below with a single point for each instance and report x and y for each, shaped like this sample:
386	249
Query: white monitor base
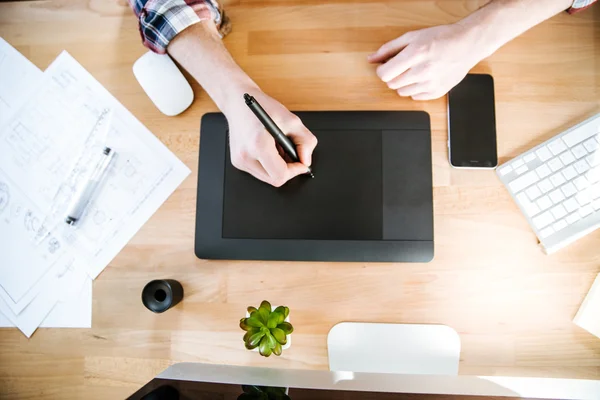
393	348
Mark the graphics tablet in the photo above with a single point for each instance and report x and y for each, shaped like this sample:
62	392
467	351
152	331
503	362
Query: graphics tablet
370	200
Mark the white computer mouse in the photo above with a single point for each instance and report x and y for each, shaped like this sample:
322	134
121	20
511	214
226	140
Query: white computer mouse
164	83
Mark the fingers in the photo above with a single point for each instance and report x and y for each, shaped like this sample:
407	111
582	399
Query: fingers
305	143
394	67
389	49
412	90
405	79
274	165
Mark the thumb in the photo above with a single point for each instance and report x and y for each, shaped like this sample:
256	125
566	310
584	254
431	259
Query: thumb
389	49
305	143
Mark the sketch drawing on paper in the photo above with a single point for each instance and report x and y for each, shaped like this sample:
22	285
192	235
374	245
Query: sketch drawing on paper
4	196
53	245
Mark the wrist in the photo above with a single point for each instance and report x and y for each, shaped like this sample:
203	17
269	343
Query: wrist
231	93
483	41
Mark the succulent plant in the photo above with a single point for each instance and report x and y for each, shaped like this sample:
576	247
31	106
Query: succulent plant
266	328
263	393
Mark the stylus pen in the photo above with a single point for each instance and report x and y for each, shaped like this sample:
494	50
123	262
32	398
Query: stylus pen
286	144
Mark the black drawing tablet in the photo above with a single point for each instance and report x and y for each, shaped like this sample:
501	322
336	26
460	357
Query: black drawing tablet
370	200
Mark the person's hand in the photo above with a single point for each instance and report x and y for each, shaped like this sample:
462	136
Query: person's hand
427	63
254	150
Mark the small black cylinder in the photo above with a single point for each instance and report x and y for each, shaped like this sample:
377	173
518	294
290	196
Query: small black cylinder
161	294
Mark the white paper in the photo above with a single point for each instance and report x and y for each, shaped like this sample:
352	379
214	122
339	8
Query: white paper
18	77
43	141
75	312
65	284
142	176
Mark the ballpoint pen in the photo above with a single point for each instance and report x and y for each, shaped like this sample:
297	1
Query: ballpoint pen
286	144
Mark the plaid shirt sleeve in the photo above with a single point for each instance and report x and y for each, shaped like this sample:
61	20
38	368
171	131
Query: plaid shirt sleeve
161	20
579	5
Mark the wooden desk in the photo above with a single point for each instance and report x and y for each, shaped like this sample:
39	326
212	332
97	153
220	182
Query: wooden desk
511	304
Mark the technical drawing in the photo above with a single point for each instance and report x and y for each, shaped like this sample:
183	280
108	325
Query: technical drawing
4	196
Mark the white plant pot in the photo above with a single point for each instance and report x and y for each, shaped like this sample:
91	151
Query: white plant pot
288	338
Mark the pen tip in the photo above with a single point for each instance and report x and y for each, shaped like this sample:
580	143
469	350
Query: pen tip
249	99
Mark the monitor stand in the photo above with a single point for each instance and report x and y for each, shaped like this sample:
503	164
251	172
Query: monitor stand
393	348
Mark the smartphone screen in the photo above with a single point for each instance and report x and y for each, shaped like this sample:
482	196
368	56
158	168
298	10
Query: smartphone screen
472	123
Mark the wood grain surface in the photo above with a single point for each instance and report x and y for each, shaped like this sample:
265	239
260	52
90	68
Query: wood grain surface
511	304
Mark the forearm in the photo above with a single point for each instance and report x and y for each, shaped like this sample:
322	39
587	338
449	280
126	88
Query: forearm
201	52
500	21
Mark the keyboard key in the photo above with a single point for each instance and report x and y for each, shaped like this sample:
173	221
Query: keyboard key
544	233
529	157
569	172
522	169
579	135
531	209
555	164
543	220
517	162
557	179
591	145
594	191
583	198
571	204
543	153
593	159
556	196
593	175
533	192
581	183
558	212
505	170
581	166
544	203
572	218
557	146
596	205
568	189
567	157
559	225
523	181
579	151
586	210
543	171
545	186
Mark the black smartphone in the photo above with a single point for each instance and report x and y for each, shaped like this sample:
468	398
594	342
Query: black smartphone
472	123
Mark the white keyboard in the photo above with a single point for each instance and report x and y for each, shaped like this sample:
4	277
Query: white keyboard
557	184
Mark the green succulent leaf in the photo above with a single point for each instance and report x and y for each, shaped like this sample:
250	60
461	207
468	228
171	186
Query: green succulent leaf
249	333
271	340
281	318
266	305
244	325
280	309
264	348
256	338
250	347
251	309
274	320
286	327
254	322
251	389
279	335
263	315
277	349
